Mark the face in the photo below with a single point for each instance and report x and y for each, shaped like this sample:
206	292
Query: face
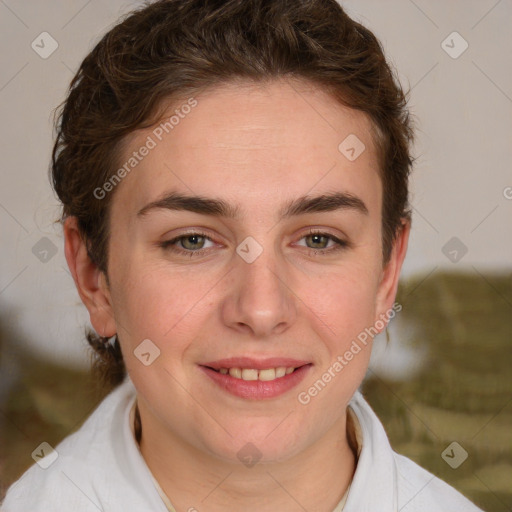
251	276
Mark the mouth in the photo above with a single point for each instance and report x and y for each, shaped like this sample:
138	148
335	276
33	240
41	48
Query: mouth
251	374
256	380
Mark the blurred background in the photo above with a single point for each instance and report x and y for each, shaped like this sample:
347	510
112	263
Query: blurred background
441	385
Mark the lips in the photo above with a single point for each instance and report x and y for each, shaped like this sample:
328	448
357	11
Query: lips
256	379
257	364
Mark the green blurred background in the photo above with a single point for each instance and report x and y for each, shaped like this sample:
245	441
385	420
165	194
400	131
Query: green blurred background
463	392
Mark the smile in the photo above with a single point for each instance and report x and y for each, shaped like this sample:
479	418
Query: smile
267	374
251	383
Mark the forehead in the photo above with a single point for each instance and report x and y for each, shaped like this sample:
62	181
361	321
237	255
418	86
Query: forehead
250	141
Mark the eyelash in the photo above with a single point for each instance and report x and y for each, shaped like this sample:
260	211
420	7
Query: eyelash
169	244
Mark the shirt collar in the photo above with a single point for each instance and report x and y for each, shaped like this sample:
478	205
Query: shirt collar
374	485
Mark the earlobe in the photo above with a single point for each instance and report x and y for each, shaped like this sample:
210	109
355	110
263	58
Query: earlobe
391	272
89	280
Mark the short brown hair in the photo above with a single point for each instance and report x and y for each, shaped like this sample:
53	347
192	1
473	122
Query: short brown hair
172	48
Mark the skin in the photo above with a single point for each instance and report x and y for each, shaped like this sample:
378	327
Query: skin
255	146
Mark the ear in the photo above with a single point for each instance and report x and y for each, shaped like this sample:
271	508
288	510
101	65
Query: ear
89	280
388	285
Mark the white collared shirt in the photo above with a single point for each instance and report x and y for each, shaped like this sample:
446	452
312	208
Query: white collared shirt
100	468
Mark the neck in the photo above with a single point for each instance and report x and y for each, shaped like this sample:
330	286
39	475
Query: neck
315	479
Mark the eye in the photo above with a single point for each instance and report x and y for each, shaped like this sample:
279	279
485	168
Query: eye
318	241
190	243
193	243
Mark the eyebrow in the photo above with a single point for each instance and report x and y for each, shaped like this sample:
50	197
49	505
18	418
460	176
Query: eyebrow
220	208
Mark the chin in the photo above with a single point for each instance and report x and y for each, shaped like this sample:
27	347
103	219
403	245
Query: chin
249	445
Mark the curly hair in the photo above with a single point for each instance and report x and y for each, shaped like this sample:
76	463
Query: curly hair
170	49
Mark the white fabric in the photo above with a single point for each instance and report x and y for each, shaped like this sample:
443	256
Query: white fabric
100	468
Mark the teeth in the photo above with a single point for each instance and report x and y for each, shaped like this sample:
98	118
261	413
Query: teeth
235	372
249	374
253	374
269	374
280	372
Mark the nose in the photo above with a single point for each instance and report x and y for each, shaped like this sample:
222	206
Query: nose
259	300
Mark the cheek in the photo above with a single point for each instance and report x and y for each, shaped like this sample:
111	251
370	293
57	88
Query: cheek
163	305
347	308
149	305
155	306
344	302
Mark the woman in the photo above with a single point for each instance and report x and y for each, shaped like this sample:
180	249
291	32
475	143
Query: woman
234	180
